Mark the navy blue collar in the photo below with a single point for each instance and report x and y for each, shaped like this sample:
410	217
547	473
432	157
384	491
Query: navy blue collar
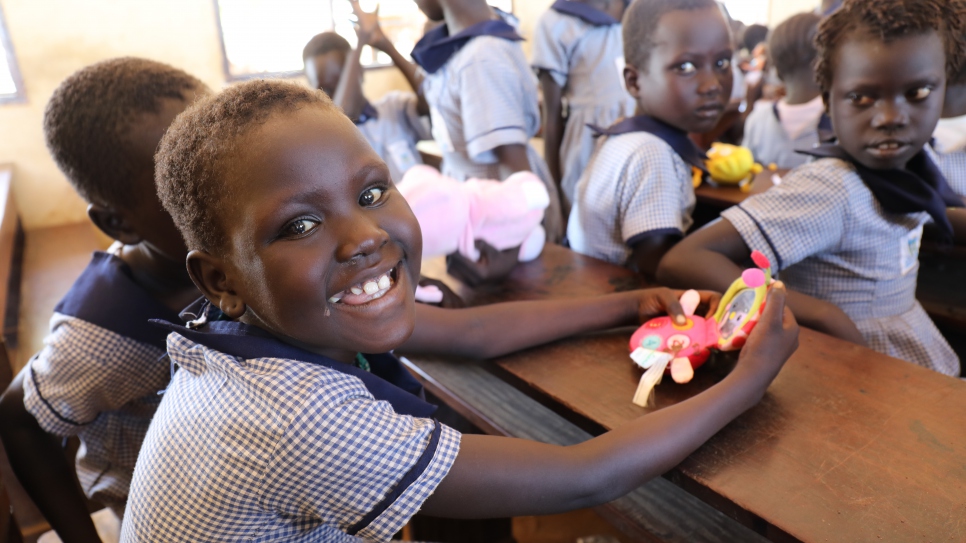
106	295
368	113
919	187
675	137
435	49
389	380
825	132
584	12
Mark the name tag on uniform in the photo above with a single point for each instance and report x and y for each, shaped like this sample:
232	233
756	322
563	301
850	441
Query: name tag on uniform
440	132
909	250
402	155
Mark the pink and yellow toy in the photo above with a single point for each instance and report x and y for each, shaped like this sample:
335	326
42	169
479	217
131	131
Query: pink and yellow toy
661	346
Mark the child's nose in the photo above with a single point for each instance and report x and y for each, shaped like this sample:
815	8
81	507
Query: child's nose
890	114
710	84
361	238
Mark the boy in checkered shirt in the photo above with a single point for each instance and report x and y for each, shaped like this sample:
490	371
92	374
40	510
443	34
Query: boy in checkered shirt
289	418
102	365
844	230
635	199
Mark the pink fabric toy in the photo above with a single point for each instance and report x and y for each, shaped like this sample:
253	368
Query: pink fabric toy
453	215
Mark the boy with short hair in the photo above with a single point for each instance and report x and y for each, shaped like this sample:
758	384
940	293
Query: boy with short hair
102	366
635	199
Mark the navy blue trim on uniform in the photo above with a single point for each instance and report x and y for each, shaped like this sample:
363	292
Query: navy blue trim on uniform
824	128
389	380
414	473
584	12
921	186
675	137
33	375
106	295
435	49
368	113
637	238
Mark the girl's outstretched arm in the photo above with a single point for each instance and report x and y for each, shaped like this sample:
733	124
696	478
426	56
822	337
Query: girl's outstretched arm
494	330
499	477
708	259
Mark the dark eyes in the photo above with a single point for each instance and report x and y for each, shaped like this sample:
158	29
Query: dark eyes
299	227
920	94
371	197
688	68
915	95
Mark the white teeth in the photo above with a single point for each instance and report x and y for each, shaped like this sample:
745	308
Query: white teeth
371	287
384	282
355	290
335	299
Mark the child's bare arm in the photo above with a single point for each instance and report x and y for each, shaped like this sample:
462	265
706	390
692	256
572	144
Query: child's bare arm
647	253
495	477
42	470
553	124
380	41
708	259
494	330
349	95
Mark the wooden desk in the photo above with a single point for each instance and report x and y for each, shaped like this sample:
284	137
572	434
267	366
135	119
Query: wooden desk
722	197
847	445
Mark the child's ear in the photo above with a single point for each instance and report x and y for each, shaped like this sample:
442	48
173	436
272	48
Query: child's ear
113	223
631	80
208	274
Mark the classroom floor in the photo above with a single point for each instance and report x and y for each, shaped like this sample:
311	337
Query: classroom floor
54	257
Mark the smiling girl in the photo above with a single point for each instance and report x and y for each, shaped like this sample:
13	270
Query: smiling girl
844	230
289	418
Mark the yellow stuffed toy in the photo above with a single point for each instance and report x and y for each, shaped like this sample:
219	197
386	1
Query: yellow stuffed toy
731	165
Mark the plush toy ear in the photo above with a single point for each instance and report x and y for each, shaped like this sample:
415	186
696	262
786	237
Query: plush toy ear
690	301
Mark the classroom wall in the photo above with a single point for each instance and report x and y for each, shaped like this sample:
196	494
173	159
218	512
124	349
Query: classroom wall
54	38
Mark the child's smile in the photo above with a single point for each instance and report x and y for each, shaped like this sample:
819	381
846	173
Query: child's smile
323	252
886	98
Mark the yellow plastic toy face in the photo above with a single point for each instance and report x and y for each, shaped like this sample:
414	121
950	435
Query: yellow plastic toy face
730	164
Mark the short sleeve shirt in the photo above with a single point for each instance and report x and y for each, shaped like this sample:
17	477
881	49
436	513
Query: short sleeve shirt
953	166
272	449
636	185
102	387
393	133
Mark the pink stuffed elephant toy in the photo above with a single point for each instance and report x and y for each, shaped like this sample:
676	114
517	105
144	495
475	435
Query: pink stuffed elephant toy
453	215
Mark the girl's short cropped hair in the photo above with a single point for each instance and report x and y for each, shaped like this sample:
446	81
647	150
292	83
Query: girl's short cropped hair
194	155
323	43
640	24
791	45
886	20
88	120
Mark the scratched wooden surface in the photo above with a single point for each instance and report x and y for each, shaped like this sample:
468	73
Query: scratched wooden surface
847	445
723	197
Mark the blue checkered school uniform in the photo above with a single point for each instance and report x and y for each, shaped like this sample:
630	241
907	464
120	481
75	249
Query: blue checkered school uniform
953	166
256	440
392	126
483	95
770	143
830	237
639	183
99	374
582	49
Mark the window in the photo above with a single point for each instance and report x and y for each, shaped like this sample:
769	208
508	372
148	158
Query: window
11	86
749	11
265	37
